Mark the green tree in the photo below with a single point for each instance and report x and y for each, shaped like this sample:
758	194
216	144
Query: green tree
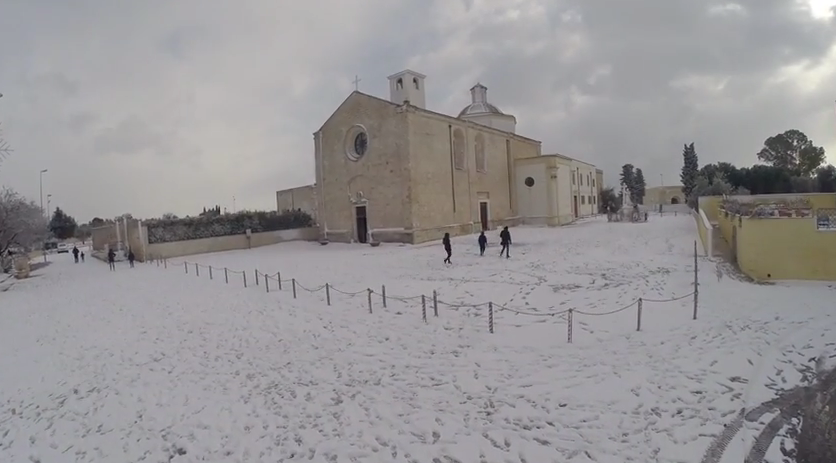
826	179
690	169
62	225
792	150
628	176
639	187
609	201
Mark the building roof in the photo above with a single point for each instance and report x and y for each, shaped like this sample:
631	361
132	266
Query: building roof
479	103
433	113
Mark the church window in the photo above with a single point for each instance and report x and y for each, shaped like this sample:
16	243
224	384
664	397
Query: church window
479	151
415	82
529	182
458	149
399	84
356	142
583	198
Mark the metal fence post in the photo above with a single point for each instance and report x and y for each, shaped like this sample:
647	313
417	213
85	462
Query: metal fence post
490	317
424	308
328	293
210	272
226	275
197	269
266	283
255	272
369	292
639	316
383	294
244	274
293	283
569	323
279	279
186	266
435	303
696	281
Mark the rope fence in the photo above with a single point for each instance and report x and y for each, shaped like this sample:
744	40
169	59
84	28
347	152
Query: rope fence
274	282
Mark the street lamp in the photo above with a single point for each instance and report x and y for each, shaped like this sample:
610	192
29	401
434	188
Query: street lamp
42	187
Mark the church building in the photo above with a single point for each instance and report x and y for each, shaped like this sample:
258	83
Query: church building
394	171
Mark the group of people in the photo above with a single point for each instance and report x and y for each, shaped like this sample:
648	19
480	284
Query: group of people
504	241
111	258
77	253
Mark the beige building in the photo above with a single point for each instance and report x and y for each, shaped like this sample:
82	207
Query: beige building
392	170
303	197
664	195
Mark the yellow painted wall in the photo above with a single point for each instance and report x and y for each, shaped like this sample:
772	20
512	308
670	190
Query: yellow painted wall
710	205
786	249
724	223
702	230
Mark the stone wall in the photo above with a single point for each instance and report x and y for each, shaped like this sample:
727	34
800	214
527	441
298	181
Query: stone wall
228	243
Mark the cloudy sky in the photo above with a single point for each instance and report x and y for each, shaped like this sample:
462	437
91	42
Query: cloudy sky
161	106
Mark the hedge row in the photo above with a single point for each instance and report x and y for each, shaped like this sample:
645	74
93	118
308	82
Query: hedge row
192	228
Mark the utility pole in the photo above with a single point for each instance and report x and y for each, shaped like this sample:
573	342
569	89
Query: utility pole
42	189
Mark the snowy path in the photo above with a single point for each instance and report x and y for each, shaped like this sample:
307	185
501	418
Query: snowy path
154	365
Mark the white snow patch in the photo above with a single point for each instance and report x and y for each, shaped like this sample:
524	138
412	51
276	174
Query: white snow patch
151	364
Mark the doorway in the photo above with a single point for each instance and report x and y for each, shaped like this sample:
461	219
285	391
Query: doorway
362	224
484	215
674	200
575	206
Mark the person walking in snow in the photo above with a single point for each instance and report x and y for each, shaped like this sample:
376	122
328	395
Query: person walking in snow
505	241
447	247
75	254
483	243
111	259
82	257
131	257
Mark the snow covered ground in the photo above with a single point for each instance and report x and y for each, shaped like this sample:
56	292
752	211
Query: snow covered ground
153	364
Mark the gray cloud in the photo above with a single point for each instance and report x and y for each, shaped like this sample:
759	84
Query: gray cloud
171	106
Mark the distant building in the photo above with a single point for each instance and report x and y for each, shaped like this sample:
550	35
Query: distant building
392	170
664	195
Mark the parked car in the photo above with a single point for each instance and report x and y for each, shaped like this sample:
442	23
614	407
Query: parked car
63	247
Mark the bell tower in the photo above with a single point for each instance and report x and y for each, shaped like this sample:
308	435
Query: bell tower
407	86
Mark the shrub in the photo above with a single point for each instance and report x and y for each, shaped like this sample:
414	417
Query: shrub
192	228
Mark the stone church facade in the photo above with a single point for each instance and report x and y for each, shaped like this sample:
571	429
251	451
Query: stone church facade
394	171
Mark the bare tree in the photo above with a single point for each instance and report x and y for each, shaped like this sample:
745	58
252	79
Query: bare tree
22	222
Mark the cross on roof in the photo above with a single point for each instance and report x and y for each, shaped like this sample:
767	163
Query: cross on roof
356	82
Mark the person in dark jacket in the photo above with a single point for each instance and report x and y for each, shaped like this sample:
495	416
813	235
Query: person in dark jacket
75	254
505	241
131	257
483	243
447	247
82	256
111	259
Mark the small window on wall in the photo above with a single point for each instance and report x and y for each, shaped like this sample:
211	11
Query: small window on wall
583	198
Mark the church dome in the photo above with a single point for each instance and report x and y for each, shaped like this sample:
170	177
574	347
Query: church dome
479	103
